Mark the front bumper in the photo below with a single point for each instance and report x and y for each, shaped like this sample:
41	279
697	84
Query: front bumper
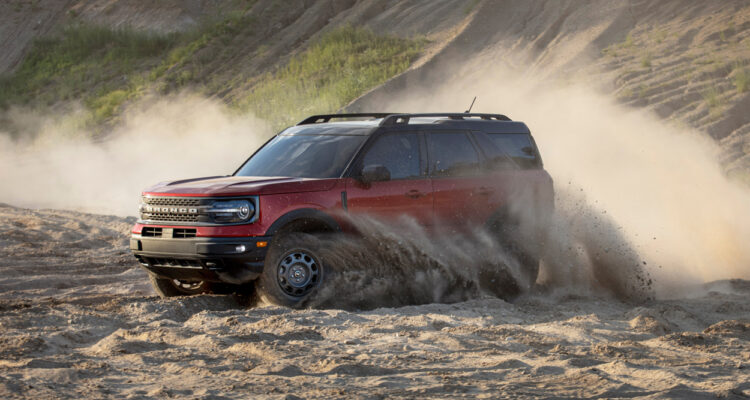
234	260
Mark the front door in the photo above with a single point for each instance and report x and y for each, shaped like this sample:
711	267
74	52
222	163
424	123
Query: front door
408	192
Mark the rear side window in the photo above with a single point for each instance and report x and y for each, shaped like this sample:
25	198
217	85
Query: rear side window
517	147
452	154
399	153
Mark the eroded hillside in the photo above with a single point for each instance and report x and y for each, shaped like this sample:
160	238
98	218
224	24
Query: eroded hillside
686	61
279	59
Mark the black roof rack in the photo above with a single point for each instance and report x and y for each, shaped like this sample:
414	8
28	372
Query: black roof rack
327	117
404	118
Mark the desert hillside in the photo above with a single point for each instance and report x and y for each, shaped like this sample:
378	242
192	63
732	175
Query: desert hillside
685	60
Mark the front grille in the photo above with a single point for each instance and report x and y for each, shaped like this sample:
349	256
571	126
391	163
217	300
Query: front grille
172	262
179	233
180	263
171	201
176	233
170	217
171	209
150	231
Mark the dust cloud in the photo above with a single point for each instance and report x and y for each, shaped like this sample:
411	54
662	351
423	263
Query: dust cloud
397	263
657	183
52	163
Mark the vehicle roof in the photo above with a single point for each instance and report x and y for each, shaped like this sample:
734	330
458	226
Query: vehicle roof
490	123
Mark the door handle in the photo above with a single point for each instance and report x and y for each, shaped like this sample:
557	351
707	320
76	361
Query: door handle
484	191
414	194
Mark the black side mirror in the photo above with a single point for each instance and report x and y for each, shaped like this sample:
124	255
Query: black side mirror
375	173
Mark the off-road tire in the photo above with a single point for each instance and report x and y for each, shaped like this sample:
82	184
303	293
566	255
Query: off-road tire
290	254
510	239
497	280
166	287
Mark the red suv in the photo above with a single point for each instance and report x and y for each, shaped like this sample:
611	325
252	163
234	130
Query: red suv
449	170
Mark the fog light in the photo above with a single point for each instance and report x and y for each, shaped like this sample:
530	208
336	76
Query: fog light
240	248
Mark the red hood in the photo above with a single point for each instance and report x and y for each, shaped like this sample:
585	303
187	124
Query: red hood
239	185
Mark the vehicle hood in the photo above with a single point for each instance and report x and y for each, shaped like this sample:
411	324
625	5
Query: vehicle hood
239	185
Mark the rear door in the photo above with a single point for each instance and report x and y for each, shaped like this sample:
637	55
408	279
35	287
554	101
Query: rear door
514	172
459	189
408	192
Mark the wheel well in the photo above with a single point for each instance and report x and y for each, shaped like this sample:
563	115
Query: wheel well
306	225
499	217
304	221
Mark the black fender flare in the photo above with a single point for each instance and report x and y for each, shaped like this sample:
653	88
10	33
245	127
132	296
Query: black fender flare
304	220
501	215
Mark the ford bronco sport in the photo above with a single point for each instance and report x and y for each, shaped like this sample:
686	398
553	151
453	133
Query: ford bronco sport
449	170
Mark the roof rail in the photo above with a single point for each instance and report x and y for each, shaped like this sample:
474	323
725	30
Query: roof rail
327	117
404	118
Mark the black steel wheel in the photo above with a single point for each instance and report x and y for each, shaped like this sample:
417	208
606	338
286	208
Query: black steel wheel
292	271
298	272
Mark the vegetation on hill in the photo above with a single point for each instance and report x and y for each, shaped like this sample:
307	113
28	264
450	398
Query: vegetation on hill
344	64
105	68
95	65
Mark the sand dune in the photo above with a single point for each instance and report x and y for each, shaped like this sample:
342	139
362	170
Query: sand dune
77	319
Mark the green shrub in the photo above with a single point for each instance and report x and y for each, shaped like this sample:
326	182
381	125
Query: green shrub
106	105
741	79
711	97
628	41
714	101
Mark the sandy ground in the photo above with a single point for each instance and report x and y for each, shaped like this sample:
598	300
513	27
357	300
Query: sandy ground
78	319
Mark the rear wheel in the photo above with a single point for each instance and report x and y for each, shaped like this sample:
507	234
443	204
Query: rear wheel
166	287
292	270
511	239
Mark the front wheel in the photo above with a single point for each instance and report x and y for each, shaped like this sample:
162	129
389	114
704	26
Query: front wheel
166	287
292	271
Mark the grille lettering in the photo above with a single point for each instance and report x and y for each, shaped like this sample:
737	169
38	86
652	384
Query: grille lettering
173	209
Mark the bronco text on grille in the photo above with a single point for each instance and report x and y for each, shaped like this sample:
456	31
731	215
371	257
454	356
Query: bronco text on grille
170	209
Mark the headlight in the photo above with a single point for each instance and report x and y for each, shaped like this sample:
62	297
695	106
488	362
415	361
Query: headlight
231	211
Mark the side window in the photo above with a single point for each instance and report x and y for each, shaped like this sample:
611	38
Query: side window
518	147
398	152
497	159
452	154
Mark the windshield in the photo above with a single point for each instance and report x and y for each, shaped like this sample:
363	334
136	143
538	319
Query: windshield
303	156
